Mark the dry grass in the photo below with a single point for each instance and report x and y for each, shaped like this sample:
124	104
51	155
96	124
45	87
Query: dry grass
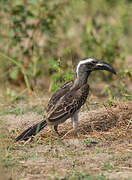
102	150
114	122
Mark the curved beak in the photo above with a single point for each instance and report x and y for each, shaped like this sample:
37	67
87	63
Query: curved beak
102	65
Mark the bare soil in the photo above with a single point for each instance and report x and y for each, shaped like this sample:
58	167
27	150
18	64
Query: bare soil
103	149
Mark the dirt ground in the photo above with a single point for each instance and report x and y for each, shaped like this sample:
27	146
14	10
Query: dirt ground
103	149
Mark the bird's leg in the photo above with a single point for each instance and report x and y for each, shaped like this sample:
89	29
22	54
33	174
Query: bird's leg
55	129
75	123
74	119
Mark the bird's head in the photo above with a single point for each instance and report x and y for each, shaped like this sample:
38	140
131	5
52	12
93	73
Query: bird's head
91	64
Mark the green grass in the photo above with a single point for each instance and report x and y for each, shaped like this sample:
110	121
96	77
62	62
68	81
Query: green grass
79	175
108	166
20	110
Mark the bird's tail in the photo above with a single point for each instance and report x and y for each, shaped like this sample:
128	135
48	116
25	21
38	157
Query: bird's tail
31	131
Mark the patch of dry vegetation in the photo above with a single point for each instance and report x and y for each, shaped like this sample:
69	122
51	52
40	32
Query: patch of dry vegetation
112	122
101	151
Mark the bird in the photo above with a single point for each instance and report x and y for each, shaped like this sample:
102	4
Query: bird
67	100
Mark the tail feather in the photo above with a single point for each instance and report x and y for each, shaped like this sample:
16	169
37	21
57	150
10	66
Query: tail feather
31	131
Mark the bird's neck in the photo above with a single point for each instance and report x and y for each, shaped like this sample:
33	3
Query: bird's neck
81	79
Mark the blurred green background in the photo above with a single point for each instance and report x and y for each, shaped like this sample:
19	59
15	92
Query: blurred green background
41	42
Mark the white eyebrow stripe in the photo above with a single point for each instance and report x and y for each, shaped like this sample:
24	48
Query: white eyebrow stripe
83	62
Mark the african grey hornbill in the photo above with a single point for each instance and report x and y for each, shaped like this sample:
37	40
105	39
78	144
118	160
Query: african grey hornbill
68	99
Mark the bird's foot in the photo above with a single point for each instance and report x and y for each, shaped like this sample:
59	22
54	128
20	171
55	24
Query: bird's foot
75	134
71	131
59	135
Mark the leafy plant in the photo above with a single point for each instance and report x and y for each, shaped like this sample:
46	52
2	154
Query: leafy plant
19	66
38	34
28	24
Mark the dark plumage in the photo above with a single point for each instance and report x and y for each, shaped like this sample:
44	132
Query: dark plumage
33	130
68	99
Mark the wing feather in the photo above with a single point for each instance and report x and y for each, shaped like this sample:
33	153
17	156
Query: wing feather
59	93
68	104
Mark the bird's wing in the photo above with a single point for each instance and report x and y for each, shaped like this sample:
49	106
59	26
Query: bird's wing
68	105
33	130
60	92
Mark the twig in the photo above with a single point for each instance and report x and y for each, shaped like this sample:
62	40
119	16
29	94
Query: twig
22	70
